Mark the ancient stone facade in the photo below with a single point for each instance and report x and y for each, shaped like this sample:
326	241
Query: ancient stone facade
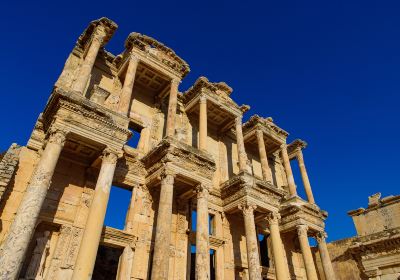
194	154
375	252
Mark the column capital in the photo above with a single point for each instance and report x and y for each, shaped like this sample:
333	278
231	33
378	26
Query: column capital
202	191
110	156
259	133
238	120
175	82
321	236
302	230
167	177
203	99
273	218
299	154
247	208
284	146
57	136
99	34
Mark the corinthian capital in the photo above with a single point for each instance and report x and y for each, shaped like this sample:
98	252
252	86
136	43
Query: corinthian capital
321	236
202	191
273	218
302	230
110	156
99	34
247	208
57	137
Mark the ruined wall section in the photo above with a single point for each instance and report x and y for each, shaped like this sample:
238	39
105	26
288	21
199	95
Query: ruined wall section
8	165
343	262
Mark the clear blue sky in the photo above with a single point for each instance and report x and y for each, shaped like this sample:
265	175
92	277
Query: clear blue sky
326	71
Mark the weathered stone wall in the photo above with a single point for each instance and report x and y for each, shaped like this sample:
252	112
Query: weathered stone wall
8	164
344	265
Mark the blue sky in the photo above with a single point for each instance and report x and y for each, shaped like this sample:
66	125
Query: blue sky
326	71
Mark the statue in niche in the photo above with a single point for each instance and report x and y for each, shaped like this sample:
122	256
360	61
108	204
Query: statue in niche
37	266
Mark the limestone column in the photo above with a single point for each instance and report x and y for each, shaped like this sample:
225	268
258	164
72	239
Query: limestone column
13	249
203	124
126	94
87	65
94	225
172	104
288	170
240	145
253	257
202	235
163	229
304	176
306	251
326	260
281	268
266	171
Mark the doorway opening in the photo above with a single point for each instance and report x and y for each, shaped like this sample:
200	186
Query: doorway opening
107	261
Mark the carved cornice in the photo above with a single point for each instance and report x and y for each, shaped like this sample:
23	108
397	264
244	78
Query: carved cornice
85	108
266	125
118	237
152	48
104	25
219	92
295	146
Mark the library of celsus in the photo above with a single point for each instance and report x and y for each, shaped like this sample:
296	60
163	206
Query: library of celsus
211	196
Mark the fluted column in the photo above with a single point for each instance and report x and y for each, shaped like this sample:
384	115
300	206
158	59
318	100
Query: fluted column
203	124
202	235
306	251
326	260
14	247
163	229
288	170
87	65
126	94
240	145
281	268
253	257
304	176
94	225
172	104
266	171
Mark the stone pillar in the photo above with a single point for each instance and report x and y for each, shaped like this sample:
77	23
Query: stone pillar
240	145
306	251
304	176
288	170
266	171
144	140
163	229
281	268
126	94
253	257
87	65
14	247
202	235
172	104
203	124
94	225
326	260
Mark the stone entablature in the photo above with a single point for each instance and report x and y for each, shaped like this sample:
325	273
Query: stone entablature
295	211
77	115
154	51
246	188
192	165
268	127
